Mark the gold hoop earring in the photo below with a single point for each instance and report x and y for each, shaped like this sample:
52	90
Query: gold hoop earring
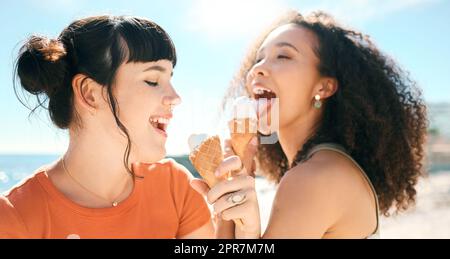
317	102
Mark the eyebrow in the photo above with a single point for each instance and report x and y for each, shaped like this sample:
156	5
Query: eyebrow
286	44
157	68
281	44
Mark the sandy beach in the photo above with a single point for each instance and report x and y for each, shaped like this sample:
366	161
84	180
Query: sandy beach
430	218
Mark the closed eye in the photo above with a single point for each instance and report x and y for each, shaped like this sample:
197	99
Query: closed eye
283	57
152	84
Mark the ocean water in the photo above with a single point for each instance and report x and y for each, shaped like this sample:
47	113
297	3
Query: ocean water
438	114
14	168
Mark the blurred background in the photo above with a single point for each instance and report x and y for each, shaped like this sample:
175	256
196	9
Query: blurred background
211	38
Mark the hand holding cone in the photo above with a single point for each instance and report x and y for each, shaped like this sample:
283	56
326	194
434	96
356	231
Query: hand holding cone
206	158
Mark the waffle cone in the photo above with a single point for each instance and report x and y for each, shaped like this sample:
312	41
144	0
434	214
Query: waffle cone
242	131
206	158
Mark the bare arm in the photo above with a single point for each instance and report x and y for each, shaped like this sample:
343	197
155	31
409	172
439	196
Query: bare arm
305	205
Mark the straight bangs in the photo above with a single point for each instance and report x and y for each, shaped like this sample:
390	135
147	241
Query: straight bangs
143	41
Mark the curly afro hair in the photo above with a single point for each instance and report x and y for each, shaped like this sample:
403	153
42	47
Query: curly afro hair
377	114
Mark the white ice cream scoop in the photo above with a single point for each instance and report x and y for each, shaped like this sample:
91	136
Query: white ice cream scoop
195	140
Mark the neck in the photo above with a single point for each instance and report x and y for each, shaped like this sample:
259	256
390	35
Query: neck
293	136
97	164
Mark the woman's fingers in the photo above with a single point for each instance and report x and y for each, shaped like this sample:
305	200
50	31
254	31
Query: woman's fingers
228	148
236	200
248	213
200	186
237	212
228	165
249	155
230	200
240	182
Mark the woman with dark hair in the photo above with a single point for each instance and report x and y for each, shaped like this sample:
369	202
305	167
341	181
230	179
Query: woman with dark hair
351	133
107	80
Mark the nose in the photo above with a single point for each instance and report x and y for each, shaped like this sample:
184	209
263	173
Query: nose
172	98
259	69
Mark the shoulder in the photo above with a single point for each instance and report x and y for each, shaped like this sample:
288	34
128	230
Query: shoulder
167	167
165	174
316	196
19	204
327	182
177	169
11	224
28	191
7	209
312	197
325	173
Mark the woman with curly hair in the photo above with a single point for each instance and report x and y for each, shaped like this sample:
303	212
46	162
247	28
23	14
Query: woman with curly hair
352	126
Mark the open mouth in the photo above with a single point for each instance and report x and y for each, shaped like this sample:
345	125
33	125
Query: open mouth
263	93
265	98
159	123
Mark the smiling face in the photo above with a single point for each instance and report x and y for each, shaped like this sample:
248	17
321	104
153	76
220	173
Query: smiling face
286	68
145	98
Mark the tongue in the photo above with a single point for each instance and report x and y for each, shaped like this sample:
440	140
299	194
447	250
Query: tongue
157	125
269	95
264	110
161	126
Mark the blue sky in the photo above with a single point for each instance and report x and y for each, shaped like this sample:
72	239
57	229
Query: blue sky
211	37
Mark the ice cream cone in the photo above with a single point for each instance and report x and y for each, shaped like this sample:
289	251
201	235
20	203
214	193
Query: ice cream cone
242	131
206	158
243	124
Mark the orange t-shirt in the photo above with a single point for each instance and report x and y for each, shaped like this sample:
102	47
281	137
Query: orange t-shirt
161	205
